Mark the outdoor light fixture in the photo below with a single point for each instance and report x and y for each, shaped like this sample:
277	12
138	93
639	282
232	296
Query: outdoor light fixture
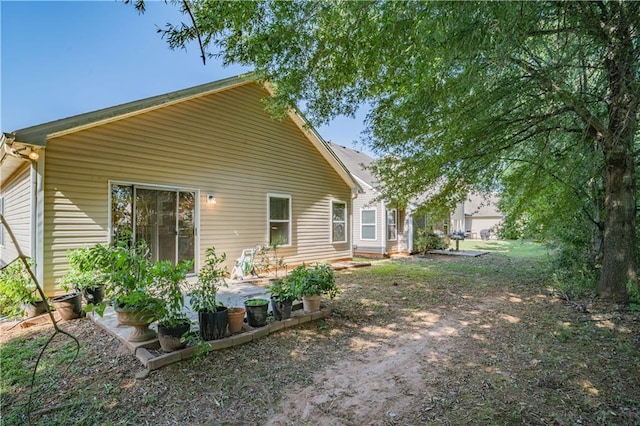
211	198
34	155
26	153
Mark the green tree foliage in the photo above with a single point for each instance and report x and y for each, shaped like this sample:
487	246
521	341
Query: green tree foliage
537	99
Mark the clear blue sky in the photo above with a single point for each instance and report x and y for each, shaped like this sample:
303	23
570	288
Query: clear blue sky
60	59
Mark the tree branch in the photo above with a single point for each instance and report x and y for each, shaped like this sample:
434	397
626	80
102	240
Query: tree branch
185	4
578	191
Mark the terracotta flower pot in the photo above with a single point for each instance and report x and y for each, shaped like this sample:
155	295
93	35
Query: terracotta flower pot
33	309
311	303
235	316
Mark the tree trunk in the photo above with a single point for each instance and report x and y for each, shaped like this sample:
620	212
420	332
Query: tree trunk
619	263
619	266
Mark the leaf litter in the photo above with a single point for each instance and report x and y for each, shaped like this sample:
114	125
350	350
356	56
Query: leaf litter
435	340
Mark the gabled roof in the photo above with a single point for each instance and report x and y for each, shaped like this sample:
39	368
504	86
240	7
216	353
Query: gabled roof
356	162
39	135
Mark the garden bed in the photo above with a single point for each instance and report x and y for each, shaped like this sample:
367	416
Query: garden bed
152	358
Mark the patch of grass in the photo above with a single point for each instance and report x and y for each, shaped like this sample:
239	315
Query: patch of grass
511	248
491	347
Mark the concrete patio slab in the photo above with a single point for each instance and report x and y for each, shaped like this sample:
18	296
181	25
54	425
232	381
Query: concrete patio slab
150	355
466	253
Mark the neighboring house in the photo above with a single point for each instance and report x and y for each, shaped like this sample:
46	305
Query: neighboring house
200	167
479	212
379	229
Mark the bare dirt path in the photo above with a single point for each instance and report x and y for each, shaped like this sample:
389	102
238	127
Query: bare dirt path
386	378
429	341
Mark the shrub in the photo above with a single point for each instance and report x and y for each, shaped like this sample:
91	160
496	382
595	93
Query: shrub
16	288
427	240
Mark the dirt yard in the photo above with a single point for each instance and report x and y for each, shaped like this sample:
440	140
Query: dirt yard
439	340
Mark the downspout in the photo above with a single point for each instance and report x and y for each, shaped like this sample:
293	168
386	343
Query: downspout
409	227
354	195
37	216
464	219
383	228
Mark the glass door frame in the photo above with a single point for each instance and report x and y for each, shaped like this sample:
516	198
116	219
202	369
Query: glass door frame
177	189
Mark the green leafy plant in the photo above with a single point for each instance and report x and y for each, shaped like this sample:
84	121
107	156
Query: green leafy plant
129	277
282	288
256	302
202	294
16	289
269	259
85	269
169	280
316	280
427	240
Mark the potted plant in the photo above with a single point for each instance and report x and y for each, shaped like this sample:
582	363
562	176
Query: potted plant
257	310
212	316
18	293
68	305
235	317
269	260
130	286
311	283
84	274
173	321
283	293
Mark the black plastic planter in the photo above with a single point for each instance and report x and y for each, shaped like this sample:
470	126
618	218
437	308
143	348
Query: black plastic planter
213	325
69	306
170	338
257	312
94	295
281	308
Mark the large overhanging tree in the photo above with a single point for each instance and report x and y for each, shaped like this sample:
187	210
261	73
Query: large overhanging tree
463	94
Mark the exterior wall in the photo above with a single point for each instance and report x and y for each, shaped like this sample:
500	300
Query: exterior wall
380	246
367	247
477	224
401	244
224	143
17	197
475	214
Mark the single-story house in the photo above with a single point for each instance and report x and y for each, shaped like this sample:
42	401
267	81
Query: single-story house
200	167
379	228
382	229
477	213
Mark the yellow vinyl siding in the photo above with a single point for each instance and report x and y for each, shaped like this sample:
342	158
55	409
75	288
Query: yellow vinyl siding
223	143
17	197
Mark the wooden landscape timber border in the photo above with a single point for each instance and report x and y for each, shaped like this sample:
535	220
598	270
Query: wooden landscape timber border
146	352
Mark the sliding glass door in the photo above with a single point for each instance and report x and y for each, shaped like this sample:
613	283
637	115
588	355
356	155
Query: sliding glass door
163	218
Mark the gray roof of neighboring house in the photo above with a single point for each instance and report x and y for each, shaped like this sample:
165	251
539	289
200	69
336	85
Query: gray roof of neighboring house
356	162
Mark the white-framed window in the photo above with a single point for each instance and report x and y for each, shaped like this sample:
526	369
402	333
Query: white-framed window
338	222
279	219
368	224
392	224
